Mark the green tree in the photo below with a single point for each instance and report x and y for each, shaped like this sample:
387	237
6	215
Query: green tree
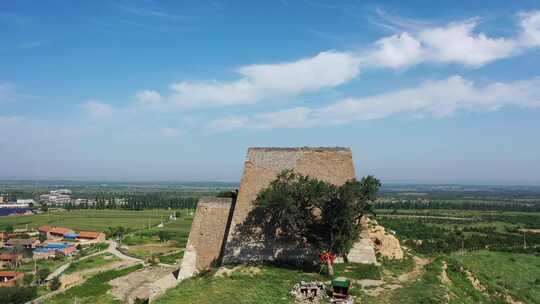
42	274
303	209
9	229
163	235
28	279
55	283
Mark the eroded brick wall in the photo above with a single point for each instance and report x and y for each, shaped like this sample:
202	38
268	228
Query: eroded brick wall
262	165
208	231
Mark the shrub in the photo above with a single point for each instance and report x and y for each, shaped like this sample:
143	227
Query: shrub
55	283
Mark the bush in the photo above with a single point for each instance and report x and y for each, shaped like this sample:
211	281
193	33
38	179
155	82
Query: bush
28	279
43	273
55	283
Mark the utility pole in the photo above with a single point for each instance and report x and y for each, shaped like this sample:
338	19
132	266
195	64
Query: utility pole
524	241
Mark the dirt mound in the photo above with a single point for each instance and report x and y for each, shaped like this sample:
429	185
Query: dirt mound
384	242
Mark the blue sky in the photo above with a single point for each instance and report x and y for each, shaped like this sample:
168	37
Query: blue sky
169	90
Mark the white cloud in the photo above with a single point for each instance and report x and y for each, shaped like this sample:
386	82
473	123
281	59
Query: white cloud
97	109
149	98
270	81
433	98
530	24
171	132
397	51
455	43
327	69
213	93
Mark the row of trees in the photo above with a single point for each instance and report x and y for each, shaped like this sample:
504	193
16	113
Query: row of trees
431	239
138	202
461	205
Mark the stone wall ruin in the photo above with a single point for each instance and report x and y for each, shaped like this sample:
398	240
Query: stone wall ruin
216	233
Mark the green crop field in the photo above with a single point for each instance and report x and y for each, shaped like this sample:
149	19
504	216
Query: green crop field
97	220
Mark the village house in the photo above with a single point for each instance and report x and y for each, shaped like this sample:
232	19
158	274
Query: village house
47	251
10	259
10	278
91	237
24	243
55	233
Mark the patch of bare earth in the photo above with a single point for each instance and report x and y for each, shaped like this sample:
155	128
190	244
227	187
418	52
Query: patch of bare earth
416	272
146	283
384	242
376	288
445	280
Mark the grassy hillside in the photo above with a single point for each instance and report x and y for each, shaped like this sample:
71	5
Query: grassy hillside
513	274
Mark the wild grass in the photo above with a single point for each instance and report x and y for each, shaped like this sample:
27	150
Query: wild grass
94	290
92	262
517	275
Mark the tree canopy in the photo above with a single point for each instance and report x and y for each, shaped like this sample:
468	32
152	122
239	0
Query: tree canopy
300	208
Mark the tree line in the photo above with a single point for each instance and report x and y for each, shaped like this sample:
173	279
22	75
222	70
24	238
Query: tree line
460	205
137	202
430	239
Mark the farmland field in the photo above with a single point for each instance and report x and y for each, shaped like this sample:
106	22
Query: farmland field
91	219
453	240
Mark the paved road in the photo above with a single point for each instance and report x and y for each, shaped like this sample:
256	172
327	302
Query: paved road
58	271
113	249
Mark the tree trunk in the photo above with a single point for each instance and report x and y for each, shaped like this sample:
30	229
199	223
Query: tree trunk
330	268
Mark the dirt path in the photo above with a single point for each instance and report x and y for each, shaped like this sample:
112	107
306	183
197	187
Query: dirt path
417	271
113	249
382	289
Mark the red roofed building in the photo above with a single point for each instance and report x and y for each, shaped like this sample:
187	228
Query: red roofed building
10	278
54	232
91	236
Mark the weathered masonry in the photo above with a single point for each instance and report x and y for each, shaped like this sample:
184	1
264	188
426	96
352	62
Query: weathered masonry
216	234
208	231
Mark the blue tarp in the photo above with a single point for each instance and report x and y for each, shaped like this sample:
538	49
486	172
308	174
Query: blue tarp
70	236
41	250
57	246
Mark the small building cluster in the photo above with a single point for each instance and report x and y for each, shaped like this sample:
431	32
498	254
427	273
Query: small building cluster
55	242
56	197
50	250
61	233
